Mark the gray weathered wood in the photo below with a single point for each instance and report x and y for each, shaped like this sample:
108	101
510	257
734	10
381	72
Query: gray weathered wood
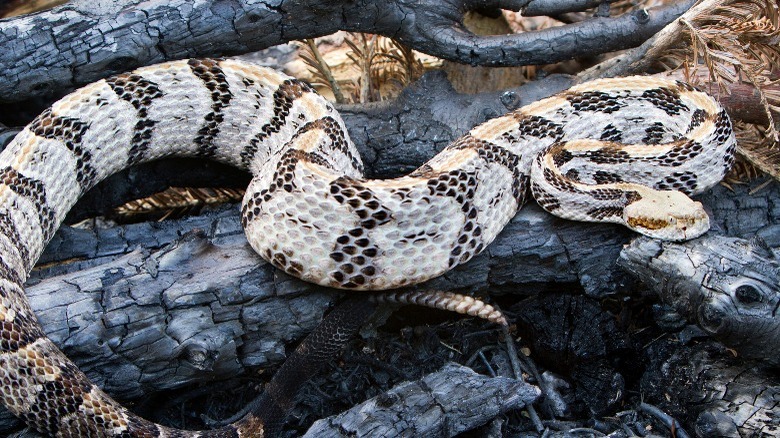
212	286
227	311
77	43
727	285
442	404
704	386
211	319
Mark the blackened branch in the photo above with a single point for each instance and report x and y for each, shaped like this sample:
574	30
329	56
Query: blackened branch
54	51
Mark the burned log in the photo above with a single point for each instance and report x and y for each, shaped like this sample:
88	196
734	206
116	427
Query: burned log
442	404
77	43
726	285
701	383
213	335
231	312
574	337
575	256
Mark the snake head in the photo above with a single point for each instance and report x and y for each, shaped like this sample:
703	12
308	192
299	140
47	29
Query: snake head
666	215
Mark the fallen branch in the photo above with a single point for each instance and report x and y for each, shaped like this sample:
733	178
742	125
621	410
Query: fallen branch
726	285
77	43
704	386
443	404
224	310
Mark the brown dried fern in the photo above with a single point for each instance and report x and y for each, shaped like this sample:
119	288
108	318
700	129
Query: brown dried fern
733	41
363	55
755	146
320	69
383	68
739	40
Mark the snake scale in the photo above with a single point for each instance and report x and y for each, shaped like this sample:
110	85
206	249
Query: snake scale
620	150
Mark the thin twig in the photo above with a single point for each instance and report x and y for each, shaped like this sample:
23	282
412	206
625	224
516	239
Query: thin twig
516	369
324	68
639	59
665	418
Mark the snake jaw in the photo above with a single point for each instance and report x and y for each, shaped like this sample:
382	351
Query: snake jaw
667	215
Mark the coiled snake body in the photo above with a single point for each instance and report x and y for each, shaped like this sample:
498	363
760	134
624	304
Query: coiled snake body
308	209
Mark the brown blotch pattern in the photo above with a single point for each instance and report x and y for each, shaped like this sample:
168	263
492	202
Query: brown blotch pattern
607	194
283	179
560	183
597	101
610	154
58	398
209	71
284	261
534	126
492	153
337	139
697	118
461	186
723	130
9	273
283	98
666	99
611	133
144	428
354	250
33	190
573	174
604	177
545	200
685	182
19	333
140	92
69	131
560	155
654	134
8	229
603	213
678	155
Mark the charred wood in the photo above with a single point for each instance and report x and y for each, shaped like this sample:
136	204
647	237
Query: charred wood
442	404
207	307
715	394
726	285
53	51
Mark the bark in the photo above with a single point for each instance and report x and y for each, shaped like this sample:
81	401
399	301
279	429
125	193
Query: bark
442	404
171	306
208	307
573	336
703	385
54	51
726	285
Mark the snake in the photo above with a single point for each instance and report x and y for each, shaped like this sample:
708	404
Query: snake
627	150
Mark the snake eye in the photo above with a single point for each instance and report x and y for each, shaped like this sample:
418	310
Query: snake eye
747	294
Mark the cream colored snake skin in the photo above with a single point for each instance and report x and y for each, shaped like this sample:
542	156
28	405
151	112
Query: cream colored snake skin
310	212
